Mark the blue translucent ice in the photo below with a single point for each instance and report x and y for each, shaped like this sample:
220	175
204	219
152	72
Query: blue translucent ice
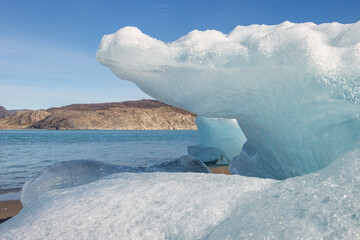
293	88
219	133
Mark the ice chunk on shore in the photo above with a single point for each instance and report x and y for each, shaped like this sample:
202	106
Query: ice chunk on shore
133	206
78	172
293	88
161	205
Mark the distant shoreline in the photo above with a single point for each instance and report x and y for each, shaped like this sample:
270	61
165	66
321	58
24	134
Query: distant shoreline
129	115
27	129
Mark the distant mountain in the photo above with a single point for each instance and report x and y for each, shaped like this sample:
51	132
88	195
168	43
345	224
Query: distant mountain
130	115
142	104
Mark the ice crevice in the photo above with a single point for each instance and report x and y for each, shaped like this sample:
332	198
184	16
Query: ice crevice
293	88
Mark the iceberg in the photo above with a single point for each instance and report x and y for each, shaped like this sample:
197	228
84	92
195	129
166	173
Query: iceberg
293	88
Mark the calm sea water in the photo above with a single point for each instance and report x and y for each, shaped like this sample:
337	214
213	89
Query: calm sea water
25	152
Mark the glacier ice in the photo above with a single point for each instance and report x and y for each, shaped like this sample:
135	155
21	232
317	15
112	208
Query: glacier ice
219	139
161	205
78	172
293	88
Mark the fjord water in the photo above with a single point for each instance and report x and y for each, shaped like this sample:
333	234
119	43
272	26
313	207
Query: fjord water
23	153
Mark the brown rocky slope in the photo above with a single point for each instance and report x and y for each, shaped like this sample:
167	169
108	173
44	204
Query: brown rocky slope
130	115
3	112
22	119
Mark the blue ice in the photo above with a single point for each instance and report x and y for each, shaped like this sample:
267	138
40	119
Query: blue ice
293	88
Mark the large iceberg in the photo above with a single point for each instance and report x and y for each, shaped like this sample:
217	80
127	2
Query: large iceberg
294	89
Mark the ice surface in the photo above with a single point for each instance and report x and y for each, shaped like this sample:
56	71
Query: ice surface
78	172
293	88
321	205
64	175
161	205
219	133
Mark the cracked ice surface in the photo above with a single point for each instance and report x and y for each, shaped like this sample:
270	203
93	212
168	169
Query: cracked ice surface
293	88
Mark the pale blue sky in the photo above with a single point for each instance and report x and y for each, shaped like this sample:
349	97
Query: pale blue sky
47	53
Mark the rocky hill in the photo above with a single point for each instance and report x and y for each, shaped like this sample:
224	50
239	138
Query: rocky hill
3	112
130	115
22	119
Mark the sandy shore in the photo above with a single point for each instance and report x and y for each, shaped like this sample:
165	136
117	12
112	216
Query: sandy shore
220	170
10	208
